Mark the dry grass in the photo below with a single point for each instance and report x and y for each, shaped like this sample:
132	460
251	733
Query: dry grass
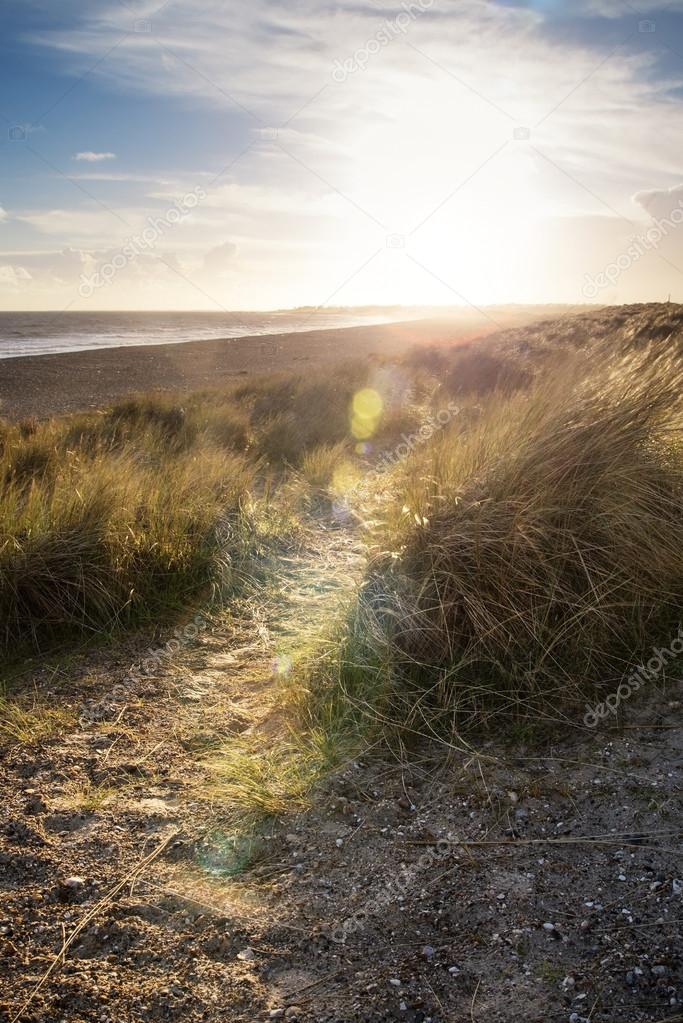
526	555
534	554
19	724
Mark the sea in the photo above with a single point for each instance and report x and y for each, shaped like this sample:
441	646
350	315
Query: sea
24	333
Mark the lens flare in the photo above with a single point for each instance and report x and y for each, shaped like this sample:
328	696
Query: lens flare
366	412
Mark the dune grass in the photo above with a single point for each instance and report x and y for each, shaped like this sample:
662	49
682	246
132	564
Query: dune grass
531	554
526	551
113	518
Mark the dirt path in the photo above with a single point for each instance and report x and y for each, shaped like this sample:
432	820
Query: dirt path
464	888
83	809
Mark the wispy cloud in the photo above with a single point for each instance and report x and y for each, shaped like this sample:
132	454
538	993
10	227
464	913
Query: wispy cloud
90	157
508	162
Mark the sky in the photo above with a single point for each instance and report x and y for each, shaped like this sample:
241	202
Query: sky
195	154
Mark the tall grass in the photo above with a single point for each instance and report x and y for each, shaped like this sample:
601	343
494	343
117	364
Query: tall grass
534	552
109	518
107	540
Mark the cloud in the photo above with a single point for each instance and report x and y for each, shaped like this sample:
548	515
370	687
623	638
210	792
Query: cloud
13	277
89	157
3	214
423	133
659	202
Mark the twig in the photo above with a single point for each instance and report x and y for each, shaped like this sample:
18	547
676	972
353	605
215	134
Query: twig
90	915
474	998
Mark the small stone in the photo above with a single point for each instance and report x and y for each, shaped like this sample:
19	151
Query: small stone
395	982
293	1012
339	843
246	955
428	952
276	1014
74	883
548	927
660	970
454	970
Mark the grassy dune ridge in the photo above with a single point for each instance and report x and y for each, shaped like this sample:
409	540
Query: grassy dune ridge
532	554
108	519
521	557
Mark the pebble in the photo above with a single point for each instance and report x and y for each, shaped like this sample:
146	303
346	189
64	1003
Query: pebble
548	927
276	1014
428	952
246	955
395	982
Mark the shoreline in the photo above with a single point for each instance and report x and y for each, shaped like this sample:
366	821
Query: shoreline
88	379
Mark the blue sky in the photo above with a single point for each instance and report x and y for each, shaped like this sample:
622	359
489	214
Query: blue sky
419	152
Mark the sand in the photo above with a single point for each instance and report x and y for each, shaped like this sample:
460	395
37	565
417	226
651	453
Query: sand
42	385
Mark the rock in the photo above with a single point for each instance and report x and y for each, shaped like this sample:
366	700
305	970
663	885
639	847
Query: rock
395	982
246	955
276	1014
293	1012
69	889
428	952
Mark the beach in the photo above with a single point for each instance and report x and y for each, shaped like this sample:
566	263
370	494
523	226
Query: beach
44	385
